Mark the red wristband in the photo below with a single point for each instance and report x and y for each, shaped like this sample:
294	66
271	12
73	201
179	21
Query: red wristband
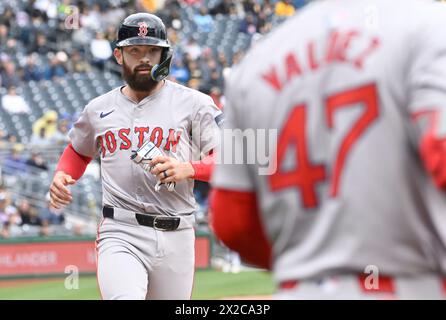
73	163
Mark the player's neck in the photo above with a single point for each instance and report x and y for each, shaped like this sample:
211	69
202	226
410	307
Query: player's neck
137	96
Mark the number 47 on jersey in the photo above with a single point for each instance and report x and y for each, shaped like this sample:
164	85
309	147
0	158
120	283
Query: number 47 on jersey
306	175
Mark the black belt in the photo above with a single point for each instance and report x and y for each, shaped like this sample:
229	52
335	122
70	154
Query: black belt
157	222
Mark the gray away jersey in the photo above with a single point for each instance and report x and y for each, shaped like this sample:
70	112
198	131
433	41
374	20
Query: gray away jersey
342	82
177	119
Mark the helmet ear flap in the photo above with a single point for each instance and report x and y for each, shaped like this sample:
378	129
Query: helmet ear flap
161	71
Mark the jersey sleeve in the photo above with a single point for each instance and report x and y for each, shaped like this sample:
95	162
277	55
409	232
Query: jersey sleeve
82	135
228	173
427	94
206	122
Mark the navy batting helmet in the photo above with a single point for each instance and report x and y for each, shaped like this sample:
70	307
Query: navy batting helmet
147	29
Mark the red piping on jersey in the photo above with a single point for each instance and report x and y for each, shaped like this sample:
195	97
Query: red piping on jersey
235	219
432	148
203	168
73	163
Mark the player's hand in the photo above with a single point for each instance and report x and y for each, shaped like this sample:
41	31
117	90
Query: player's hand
175	170
59	193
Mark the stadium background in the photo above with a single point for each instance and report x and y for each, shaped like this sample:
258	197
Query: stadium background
55	56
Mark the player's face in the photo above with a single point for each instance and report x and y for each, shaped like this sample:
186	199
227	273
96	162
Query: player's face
137	62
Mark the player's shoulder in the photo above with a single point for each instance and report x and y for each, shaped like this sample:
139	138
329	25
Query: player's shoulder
200	98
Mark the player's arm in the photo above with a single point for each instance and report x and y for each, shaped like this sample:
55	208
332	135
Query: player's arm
427	80
74	160
70	168
235	221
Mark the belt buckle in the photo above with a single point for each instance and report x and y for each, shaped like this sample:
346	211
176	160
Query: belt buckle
155	220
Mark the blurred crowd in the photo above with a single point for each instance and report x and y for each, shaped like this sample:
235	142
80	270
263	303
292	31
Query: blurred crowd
46	39
19	215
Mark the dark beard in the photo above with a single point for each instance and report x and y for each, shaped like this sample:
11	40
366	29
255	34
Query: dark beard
136	81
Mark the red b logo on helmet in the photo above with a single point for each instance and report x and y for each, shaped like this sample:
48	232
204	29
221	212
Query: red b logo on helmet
142	29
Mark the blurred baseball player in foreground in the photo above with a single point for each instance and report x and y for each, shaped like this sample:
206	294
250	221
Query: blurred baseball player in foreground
143	132
356	206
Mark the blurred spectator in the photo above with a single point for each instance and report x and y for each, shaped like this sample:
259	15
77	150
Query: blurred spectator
194	71
79	229
56	67
60	137
215	81
223	62
28	214
194	83
36	161
40	140
12	139
192	49
175	20
77	64
237	57
40	45
284	8
248	25
7	210
7	17
172	35
170	14
91	18
179	72
268	8
151	5
14	104
31	72
48	7
47	121
251	7
14	163
4	35
110	34
204	20
9	75
45	229
4	231
3	139
101	50
224	7
51	216
208	67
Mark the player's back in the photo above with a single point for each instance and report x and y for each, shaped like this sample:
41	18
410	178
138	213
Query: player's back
342	82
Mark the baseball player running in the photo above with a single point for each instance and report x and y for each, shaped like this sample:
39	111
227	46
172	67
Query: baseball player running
144	133
354	205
